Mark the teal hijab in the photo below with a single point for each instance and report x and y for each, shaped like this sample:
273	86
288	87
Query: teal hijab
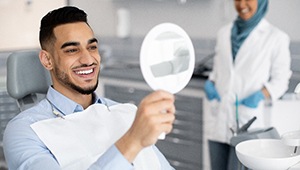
241	28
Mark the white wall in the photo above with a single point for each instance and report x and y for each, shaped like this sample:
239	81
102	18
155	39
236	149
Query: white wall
200	18
195	16
20	22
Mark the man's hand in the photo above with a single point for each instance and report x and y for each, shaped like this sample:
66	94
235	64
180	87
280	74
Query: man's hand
155	115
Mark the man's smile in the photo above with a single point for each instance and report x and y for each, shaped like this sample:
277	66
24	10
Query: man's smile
84	72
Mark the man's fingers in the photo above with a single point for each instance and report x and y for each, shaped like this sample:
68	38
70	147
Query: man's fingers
158	96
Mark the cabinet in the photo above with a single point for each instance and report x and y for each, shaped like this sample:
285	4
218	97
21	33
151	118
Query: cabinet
183	147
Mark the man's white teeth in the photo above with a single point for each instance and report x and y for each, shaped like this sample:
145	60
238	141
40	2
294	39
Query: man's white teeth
85	71
245	10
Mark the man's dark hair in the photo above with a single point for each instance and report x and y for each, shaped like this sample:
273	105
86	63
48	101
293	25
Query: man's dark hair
63	15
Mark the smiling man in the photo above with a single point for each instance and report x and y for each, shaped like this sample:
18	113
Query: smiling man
86	135
75	63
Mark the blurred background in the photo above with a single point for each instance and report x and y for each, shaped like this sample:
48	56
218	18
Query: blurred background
121	25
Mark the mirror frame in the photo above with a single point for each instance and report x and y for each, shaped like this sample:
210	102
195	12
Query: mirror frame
171	83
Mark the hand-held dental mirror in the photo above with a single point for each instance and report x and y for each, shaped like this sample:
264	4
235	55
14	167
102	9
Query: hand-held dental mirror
167	58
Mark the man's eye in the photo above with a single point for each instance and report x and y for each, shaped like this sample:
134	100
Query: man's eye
71	50
94	47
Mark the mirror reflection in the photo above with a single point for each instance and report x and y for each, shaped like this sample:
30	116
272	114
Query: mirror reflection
174	52
167	58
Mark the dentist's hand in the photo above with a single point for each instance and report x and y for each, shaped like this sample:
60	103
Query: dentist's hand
155	115
253	100
211	91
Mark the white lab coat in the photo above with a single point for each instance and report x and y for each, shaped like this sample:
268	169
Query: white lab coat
263	60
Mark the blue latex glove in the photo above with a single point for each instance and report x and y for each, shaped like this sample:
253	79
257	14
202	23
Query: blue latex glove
253	100
211	91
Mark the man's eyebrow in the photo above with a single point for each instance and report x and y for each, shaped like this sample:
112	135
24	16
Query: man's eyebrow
77	43
92	41
69	44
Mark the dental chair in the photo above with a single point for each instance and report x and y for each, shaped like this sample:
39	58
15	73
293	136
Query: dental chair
27	79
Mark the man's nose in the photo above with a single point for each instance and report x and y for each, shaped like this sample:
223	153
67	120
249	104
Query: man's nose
86	57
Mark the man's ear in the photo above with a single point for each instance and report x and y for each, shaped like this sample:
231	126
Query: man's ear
45	59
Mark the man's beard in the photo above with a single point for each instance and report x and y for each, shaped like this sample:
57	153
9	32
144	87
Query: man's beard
65	79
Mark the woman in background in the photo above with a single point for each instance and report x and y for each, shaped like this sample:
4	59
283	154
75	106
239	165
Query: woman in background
251	67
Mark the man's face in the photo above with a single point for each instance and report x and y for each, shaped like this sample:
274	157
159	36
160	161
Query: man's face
76	59
246	8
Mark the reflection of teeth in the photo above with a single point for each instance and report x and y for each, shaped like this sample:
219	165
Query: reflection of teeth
245	10
85	71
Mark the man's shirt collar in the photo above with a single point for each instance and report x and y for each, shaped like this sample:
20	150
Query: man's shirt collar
65	105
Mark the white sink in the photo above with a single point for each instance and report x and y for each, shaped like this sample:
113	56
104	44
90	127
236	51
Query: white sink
267	154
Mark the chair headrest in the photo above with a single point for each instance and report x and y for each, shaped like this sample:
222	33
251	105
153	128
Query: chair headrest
26	75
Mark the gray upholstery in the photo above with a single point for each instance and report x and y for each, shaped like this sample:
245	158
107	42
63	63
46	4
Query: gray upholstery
26	77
